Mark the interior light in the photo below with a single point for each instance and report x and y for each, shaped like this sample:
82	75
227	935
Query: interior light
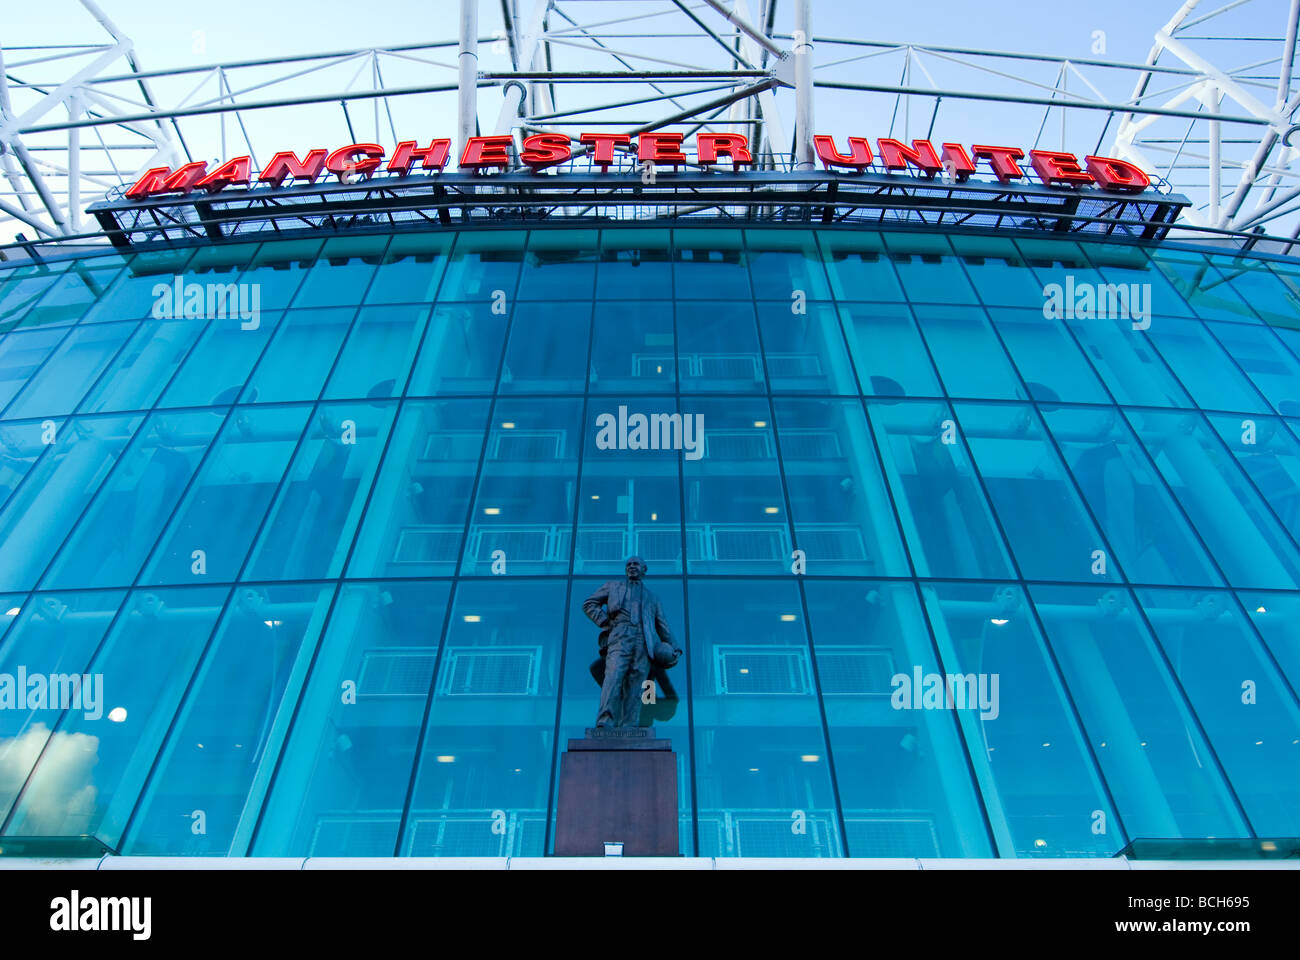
200	746
491	511
787	617
272	623
1144	743
117	714
753	769
659	369
1048	743
1260	610
446	758
13	611
1268	845
472	618
654	516
508	425
760	423
1040	843
996	622
595	496
810	758
744	669
771	510
1259	743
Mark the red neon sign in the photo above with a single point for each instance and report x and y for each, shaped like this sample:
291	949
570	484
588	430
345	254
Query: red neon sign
360	160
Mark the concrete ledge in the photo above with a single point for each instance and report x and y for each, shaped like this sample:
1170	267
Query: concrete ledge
202	863
46	863
814	863
611	863
1025	863
406	863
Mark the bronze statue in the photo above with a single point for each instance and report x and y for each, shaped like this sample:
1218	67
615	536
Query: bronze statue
627	614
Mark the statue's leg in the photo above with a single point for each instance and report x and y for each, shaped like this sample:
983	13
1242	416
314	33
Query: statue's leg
637	671
611	707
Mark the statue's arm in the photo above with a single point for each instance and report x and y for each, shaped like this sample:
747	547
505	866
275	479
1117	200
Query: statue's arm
593	605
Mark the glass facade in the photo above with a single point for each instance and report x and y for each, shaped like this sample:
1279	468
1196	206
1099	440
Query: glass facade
957	572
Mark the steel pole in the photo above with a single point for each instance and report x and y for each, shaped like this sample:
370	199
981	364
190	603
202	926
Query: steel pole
467	83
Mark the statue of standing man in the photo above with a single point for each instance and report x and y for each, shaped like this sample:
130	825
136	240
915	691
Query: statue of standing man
630	618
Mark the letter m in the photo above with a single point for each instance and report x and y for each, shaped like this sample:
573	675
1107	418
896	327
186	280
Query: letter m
166	180
962	688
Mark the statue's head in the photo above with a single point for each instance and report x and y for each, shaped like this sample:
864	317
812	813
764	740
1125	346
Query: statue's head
635	568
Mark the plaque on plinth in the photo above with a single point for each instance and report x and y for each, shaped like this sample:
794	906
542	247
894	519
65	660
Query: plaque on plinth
617	785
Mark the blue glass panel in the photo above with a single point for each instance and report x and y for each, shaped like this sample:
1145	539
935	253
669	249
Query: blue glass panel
903	775
967	353
74	365
1143	523
635	353
888	352
634	265
21	355
232	725
717	347
858	267
90	774
415	523
40	512
1204	368
299	356
843	517
1128	265
23	288
491	725
1047	356
134	293
946	520
410	269
804	351
928	269
1244	537
630	499
210	533
345	767
1038	777
559	264
524	503
76	289
1000	274
220	361
669	714
1130	366
342	273
275	270
308	532
144	366
1032	492
482	264
51	634
378	353
1204	287
461	352
736	518
1277	618
122	524
783	262
710	265
1161	772
1272	368
547	352
1250	717
762	764
1270	455
21	446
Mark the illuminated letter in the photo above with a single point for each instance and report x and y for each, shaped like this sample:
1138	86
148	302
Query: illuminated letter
343	160
238	170
896	156
432	157
660	148
486	152
956	161
151	183
858	160
286	164
1001	159
185	177
734	145
603	143
545	149
1112	174
1055	167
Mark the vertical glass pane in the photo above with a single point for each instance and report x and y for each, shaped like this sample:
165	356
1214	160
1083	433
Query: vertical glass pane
998	271
144	366
717	347
1033	493
783	262
858	266
229	730
308	532
276	269
843	518
1277	618
967	353
903	775
1047	356
461	353
122	524
21	355
559	264
634	265
1205	370
760	748
482	264
51	634
134	293
524	503
1141	520
1270	455
630	499
39	514
342	272
888	352
410	269
928	269
547	352
491	725
23	288
1249	715
346	766
638	353
1127	362
1162	773
710	264
378	353
735	507
76	363
300	356
90	775
1204	287
946	521
220	362
1034	768
1272	368
1241	532
415	524
805	351
75	290
209	535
